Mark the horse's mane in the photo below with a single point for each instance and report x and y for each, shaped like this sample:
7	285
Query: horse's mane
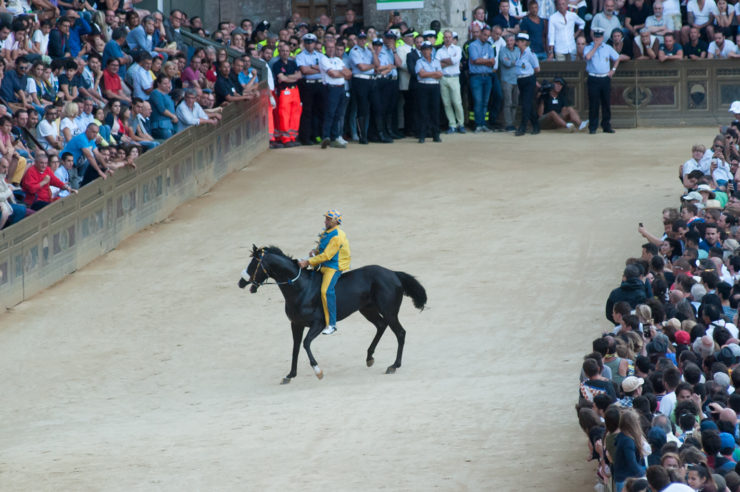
277	251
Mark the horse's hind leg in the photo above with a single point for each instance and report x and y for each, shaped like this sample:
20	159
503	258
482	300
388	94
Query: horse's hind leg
401	337
376	319
313	332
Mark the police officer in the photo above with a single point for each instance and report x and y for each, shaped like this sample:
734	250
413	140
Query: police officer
527	66
599	56
429	72
388	83
363	73
377	130
334	74
312	91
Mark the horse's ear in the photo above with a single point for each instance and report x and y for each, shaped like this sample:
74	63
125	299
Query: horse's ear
254	249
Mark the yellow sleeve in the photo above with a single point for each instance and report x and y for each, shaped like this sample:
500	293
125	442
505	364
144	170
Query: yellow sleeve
328	254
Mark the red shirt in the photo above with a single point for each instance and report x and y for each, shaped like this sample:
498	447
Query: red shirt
112	82
31	184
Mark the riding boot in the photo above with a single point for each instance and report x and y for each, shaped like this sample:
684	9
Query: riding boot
362	130
395	135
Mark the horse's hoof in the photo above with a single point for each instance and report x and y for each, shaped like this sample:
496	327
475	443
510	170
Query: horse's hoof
319	372
370	362
285	381
390	370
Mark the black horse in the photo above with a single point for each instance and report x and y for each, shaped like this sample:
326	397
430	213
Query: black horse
373	290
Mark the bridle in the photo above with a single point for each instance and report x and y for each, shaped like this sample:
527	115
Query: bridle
253	281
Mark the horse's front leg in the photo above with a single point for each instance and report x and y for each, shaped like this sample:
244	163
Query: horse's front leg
313	332
297	330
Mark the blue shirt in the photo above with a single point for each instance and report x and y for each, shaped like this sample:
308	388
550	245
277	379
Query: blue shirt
428	66
599	63
526	63
507	59
161	102
12	83
113	50
476	50
76	144
386	57
535	32
360	55
305	59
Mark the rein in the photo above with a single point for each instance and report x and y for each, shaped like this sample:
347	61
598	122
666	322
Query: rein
265	282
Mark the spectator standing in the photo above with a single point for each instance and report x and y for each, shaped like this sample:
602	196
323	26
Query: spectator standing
287	76
114	49
599	56
631	290
507	60
172	29
410	106
449	56
163	118
334	74
560	32
534	25
189	113
482	63
507	22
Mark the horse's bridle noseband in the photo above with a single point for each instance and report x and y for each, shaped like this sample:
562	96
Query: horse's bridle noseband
267	274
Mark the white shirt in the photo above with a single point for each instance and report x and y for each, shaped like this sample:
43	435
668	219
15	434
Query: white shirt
702	165
333	63
44	130
454	53
702	16
668	403
722	171
561	30
188	117
42	39
63	176
727	48
403	71
82	121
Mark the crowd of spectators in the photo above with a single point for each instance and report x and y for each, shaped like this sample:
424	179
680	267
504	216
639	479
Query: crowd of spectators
659	394
85	89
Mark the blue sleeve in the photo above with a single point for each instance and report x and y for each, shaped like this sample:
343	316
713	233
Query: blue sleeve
355	56
157	103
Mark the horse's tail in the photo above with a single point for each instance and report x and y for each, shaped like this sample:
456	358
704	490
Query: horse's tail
413	289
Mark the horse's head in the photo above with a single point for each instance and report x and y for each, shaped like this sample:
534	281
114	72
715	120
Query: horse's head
255	273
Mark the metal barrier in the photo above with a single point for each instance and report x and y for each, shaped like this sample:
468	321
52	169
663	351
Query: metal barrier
651	93
70	233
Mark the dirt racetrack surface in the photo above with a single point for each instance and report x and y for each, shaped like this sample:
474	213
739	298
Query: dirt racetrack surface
150	370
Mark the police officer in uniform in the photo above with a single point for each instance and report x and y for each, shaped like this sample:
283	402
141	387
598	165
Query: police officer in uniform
429	71
598	56
527	66
363	74
388	84
377	132
311	90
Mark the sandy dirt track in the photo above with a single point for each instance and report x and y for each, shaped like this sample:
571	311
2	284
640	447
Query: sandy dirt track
150	370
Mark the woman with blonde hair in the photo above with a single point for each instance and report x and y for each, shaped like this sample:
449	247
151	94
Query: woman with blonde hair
630	449
68	127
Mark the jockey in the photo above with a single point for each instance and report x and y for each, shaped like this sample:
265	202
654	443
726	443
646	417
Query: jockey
333	255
